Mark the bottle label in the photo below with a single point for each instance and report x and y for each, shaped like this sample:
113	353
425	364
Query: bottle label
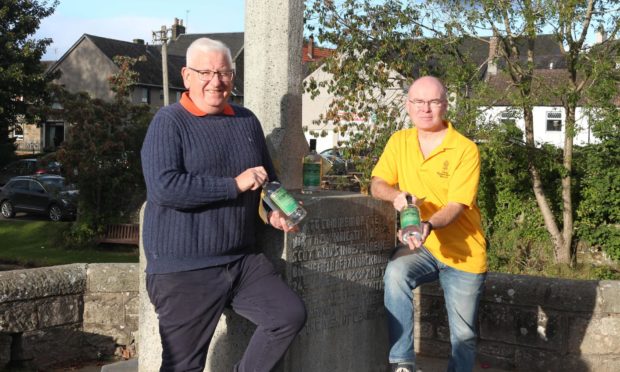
284	201
409	216
312	174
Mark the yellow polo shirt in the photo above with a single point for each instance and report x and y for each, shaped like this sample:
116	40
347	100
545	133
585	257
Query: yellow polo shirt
450	174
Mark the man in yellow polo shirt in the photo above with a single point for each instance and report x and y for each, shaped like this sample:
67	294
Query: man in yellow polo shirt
440	169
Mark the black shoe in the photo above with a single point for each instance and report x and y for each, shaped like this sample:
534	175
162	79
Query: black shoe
402	367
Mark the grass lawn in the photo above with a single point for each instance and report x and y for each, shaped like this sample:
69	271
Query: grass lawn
33	244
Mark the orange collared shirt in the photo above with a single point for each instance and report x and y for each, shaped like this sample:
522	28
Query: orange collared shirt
190	106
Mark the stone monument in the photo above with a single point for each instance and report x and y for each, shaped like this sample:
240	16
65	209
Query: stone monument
336	263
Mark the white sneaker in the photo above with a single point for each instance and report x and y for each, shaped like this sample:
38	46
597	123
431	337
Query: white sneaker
400	367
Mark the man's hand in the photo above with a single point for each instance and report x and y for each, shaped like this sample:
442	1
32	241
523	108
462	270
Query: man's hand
251	179
277	219
413	242
400	201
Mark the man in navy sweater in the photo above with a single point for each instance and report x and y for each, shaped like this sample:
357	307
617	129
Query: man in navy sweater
204	162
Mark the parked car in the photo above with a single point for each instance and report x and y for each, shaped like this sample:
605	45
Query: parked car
25	167
339	165
41	194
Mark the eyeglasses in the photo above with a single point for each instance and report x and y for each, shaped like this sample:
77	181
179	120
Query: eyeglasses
207	75
434	103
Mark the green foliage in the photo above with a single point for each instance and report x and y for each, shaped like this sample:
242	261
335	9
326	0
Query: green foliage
21	74
517	240
606	273
598	212
103	157
102	154
380	52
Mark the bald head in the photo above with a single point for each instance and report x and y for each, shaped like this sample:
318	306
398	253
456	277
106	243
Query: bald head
426	83
427	104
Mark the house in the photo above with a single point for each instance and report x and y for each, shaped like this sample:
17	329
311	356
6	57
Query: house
549	116
88	64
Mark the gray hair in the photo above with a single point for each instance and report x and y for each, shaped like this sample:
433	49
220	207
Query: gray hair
206	45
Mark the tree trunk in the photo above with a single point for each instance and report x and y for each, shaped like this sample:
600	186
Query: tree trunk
566	254
539	192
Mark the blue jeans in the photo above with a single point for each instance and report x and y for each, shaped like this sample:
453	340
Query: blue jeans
409	269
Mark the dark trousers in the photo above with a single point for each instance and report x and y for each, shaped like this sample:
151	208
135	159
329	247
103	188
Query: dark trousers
189	305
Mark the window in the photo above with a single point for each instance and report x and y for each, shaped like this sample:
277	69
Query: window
507	117
554	121
36	187
18	132
20	185
145	95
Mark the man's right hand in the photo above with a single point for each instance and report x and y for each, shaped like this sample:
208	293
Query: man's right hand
400	201
251	179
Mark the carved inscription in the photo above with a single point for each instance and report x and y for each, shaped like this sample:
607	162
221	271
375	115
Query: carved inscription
337	265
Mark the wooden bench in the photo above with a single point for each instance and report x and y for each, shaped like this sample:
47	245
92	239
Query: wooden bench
121	234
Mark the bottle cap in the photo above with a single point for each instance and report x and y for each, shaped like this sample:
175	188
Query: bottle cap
409	199
312	144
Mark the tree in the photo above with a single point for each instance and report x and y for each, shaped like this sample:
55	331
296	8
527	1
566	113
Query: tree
416	38
102	152
380	49
22	76
570	21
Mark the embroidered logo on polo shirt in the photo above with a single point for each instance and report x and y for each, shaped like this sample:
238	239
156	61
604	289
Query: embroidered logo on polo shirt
444	171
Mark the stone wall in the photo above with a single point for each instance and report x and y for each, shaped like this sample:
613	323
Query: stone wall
57	314
533	324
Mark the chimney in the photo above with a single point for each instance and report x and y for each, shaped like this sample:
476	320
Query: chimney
600	36
177	29
138	41
311	47
491	65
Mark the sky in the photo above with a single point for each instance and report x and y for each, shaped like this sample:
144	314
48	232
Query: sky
134	19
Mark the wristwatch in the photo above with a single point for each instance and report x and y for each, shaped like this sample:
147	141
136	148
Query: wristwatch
430	226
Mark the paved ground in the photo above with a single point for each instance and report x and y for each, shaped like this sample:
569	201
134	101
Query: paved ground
425	364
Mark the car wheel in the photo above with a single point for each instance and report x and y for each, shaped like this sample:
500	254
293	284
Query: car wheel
6	208
55	213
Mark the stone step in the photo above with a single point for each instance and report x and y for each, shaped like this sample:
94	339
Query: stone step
130	365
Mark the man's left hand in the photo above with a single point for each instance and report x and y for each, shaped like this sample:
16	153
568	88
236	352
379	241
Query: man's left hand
277	219
414	242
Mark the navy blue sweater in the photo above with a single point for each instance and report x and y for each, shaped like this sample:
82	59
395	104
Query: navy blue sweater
194	217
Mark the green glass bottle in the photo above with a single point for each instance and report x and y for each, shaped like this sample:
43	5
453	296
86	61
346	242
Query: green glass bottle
277	198
410	223
312	170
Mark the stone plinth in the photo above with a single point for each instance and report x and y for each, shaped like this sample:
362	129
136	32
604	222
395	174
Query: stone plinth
336	264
